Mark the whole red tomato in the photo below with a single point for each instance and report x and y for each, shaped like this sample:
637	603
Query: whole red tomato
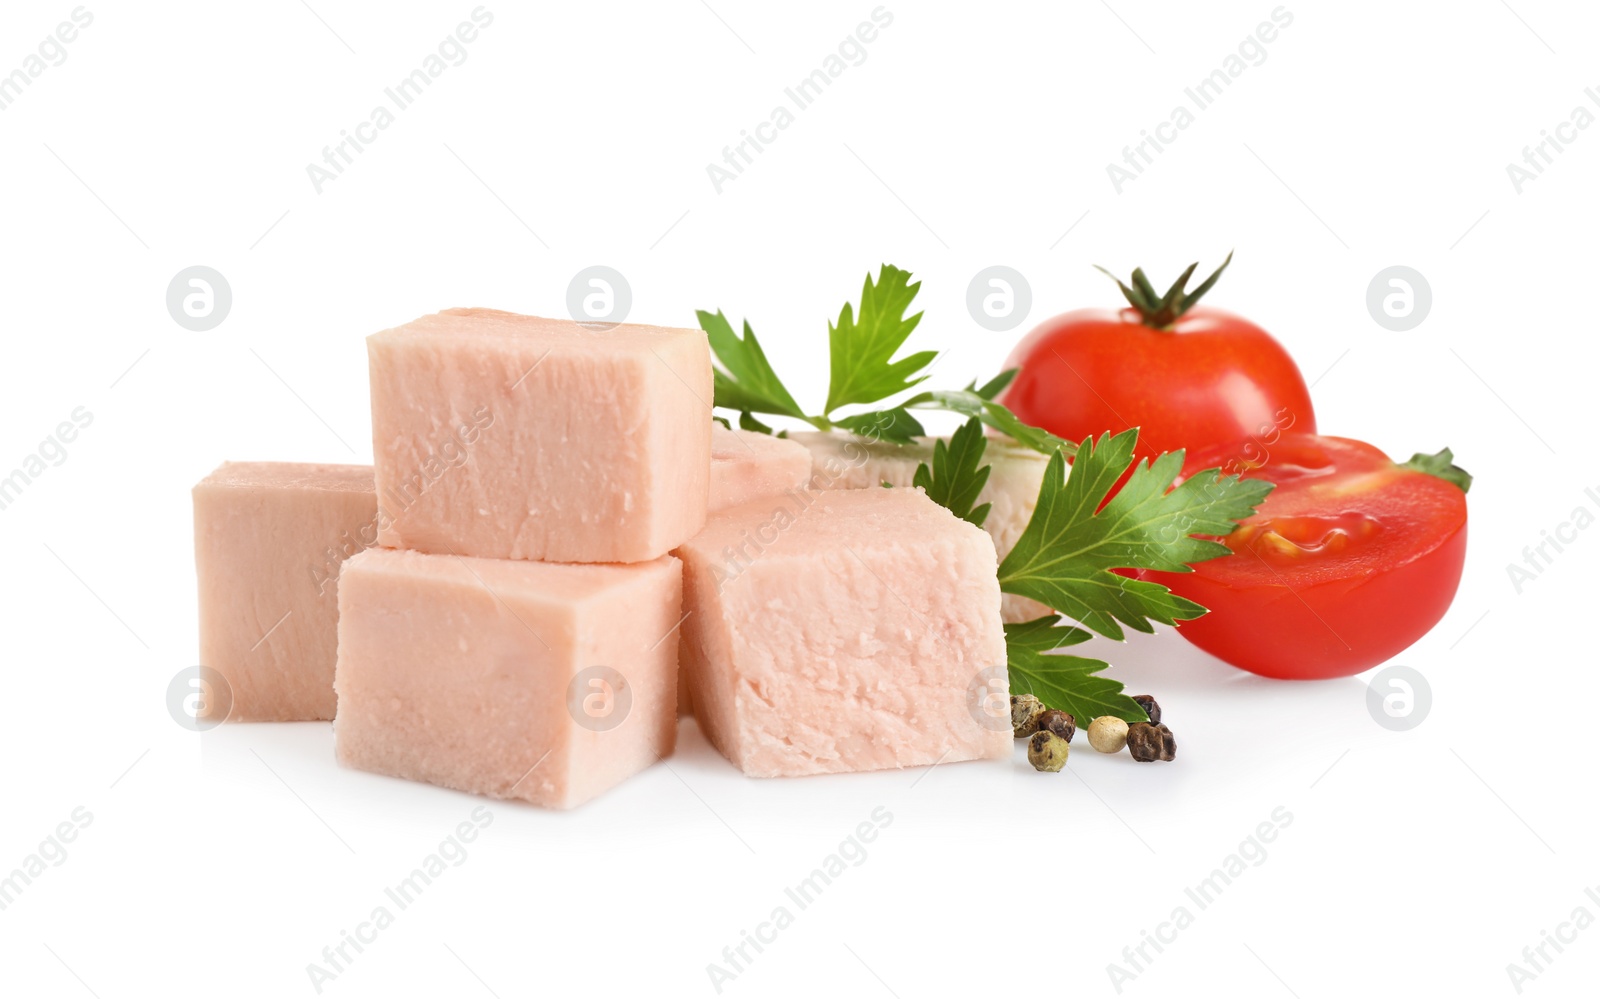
1186	377
1349	560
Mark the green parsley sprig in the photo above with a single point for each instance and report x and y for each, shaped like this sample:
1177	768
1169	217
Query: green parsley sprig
863	369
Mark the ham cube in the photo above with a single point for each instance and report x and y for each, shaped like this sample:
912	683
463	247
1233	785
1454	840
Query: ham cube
843	461
844	631
746	465
268	541
508	436
533	681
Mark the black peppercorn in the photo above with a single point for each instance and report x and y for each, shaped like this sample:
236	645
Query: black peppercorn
1148	743
1058	722
1150	706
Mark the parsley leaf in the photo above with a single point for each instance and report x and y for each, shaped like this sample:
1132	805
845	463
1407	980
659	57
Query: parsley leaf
994	386
893	425
972	403
743	378
862	344
958	475
863	369
1066	553
1064	682
748	422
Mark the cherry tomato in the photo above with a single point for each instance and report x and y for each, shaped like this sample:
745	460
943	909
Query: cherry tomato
1187	377
1349	560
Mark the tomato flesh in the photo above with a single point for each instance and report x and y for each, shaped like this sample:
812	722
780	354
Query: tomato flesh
1347	562
1211	378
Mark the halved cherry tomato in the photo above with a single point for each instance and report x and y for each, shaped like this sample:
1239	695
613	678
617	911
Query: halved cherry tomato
1350	560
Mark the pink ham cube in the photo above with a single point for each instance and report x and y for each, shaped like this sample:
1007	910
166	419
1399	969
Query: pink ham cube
268	541
747	465
844	631
536	681
846	461
509	436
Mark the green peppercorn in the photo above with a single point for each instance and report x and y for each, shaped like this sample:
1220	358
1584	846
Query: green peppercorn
1025	712
1047	751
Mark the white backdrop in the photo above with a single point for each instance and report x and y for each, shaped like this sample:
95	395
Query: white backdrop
1365	135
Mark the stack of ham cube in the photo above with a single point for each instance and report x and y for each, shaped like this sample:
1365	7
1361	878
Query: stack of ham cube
557	549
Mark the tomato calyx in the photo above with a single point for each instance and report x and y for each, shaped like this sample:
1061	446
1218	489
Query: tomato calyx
1161	311
1441	465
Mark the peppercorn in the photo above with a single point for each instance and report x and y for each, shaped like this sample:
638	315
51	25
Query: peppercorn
1025	712
1058	722
1150	706
1108	734
1148	743
1047	751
